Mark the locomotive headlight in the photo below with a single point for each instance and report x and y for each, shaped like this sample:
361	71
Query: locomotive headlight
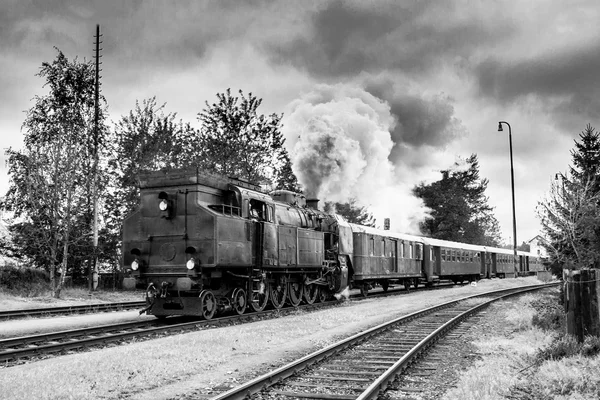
190	264
163	205
135	265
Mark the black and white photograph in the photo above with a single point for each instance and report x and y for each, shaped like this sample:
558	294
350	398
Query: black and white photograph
315	199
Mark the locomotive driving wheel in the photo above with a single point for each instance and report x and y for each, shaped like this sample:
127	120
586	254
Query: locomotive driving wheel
295	293
208	304
311	292
238	300
260	297
278	292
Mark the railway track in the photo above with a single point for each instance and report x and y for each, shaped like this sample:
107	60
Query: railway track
88	308
130	305
364	365
28	348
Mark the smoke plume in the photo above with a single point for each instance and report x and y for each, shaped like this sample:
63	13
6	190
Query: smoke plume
339	142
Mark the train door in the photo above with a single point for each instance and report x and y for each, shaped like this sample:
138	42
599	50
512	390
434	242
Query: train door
428	264
265	230
491	260
484	265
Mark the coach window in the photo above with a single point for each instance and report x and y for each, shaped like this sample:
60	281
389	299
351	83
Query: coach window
372	246
419	255
453	255
410	249
443	253
383	247
431	256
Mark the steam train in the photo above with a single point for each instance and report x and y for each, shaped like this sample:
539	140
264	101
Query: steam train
202	244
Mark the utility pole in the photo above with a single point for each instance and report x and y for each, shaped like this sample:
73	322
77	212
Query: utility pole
94	267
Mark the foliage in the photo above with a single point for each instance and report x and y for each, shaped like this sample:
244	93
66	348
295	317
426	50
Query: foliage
50	179
352	212
235	140
549	315
285	177
460	210
145	139
570	215
26	282
568	346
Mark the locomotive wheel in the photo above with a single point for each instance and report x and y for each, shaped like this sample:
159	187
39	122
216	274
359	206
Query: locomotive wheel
278	294
323	295
260	300
385	285
364	289
311	293
208	303
295	293
238	300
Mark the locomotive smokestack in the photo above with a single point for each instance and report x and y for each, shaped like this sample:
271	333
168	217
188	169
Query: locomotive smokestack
313	203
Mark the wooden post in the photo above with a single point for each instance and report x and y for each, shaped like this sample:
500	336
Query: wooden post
581	302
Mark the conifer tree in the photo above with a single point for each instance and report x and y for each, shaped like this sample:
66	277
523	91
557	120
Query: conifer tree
570	215
460	209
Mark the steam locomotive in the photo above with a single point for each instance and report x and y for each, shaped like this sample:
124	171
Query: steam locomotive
202	244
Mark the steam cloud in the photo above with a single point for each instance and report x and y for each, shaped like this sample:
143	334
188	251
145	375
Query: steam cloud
339	142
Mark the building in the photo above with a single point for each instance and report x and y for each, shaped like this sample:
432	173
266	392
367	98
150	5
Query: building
536	247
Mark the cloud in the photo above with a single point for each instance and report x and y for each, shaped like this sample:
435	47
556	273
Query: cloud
345	38
421	119
561	79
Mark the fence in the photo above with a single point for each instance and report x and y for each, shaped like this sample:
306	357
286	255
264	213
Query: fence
582	288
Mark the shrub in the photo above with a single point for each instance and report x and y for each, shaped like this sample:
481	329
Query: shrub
550	314
590	346
567	346
25	282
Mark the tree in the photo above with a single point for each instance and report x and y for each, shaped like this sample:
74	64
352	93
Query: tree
285	178
351	212
145	139
570	214
48	179
586	158
235	140
460	211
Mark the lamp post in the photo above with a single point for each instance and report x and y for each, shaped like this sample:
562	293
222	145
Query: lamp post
512	187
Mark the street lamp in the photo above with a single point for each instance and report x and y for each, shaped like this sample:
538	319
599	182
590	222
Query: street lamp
512	187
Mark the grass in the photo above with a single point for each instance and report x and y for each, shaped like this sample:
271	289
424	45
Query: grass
534	360
69	296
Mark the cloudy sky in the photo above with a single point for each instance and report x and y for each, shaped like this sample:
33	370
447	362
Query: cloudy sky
376	95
